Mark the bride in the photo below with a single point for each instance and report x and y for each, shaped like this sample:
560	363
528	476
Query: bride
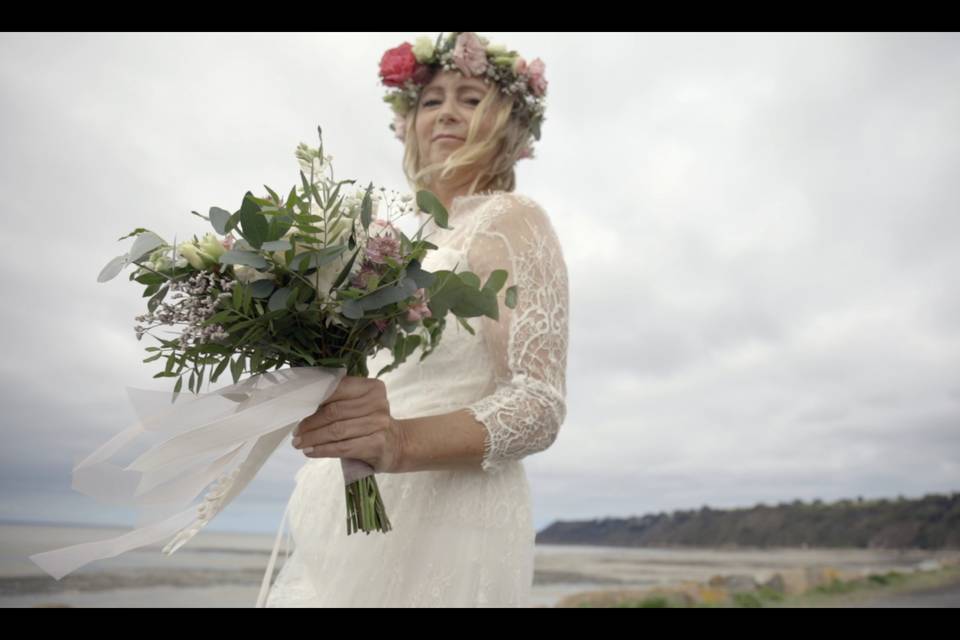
447	435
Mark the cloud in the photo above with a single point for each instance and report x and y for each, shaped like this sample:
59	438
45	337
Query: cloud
759	231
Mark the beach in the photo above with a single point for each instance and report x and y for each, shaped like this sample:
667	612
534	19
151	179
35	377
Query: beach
224	570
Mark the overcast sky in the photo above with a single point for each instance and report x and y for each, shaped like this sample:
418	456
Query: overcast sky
761	233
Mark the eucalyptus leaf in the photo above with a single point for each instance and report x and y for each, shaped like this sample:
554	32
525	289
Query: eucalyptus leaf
277	245
317	258
233	222
252	223
261	288
470	279
246	258
351	309
510	298
466	325
389	295
445	292
278	227
497	279
474	303
424	279
430	204
219	219
115	266
144	244
279	299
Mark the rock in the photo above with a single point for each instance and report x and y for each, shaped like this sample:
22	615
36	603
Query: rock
819	576
793	581
777	583
929	565
714	595
734	583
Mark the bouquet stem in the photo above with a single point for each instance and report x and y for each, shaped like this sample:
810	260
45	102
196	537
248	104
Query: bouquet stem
365	510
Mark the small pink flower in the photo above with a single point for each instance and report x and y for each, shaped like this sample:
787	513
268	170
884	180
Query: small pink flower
228	241
400	127
520	66
367	269
526	152
380	248
469	54
422	75
381	227
537	81
381	324
419	310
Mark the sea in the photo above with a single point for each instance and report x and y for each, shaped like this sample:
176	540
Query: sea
225	570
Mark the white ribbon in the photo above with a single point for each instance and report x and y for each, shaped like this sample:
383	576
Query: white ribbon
226	435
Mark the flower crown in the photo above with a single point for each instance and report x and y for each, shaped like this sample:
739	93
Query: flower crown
409	67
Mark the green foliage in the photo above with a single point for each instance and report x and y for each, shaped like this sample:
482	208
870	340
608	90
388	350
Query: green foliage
747	599
930	522
282	320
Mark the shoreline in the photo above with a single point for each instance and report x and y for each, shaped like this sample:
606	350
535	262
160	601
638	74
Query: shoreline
828	588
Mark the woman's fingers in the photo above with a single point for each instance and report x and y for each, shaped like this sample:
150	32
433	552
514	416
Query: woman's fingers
342	430
367	448
333	412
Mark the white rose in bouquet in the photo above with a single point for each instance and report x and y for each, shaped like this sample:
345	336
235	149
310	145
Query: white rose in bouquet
247	274
190	251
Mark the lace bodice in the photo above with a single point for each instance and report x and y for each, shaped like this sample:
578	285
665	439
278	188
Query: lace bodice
527	345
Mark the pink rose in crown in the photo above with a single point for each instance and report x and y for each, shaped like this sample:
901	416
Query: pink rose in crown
398	65
419	310
537	81
470	55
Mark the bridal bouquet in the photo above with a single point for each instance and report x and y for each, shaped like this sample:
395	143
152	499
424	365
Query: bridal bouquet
312	279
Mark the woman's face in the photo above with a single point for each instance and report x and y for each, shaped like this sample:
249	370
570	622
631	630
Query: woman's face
445	109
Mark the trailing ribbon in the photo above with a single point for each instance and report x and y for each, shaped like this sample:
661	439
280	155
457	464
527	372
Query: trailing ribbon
223	437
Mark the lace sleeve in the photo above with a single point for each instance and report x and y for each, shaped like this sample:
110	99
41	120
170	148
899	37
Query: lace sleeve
528	344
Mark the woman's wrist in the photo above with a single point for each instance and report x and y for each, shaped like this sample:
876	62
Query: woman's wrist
446	441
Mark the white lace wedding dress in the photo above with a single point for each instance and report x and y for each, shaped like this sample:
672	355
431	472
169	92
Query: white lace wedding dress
462	538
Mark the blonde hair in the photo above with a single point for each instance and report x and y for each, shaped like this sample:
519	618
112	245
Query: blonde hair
491	158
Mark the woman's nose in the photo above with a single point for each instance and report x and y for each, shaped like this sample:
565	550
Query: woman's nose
446	113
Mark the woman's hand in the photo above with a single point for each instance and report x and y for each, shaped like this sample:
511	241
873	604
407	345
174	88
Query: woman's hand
354	422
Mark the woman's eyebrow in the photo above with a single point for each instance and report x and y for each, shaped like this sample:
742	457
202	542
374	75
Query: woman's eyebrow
467	87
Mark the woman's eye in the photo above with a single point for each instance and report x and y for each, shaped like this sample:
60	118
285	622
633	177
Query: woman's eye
473	101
